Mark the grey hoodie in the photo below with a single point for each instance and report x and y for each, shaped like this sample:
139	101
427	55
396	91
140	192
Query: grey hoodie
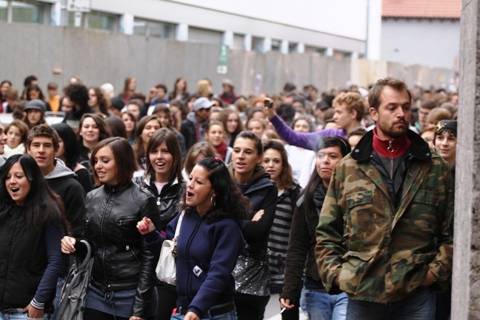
63	182
60	170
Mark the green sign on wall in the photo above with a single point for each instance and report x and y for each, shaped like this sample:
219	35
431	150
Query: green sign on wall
222	67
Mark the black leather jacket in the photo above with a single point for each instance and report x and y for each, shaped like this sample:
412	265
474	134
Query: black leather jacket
121	260
167	201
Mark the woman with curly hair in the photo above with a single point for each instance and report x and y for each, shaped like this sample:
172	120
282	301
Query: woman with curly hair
208	242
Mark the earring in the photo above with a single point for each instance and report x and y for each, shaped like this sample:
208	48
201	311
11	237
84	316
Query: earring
212	200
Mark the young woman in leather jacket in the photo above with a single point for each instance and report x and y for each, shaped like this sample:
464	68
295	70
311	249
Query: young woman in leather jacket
31	226
163	179
123	267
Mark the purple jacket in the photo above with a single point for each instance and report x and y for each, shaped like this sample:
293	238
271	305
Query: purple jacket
306	140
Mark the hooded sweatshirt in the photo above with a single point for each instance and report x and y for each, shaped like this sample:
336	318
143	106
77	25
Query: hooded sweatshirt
63	182
262	195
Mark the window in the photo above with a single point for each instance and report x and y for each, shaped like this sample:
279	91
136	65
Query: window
238	41
32	12
205	36
292	47
24	11
157	29
340	55
257	44
276	45
102	21
3	10
310	49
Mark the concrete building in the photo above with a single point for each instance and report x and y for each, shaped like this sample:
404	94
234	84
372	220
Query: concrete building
333	28
423	32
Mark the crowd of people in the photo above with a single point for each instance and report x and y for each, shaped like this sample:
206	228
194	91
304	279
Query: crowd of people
337	205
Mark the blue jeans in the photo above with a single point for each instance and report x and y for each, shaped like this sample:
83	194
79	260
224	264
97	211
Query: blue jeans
19	316
320	305
420	305
58	296
232	315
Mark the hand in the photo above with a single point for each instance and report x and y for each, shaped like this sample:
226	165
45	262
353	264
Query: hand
145	226
285	303
191	316
258	215
135	318
68	245
269	112
429	279
33	312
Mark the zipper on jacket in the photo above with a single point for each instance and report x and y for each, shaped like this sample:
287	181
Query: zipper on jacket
102	220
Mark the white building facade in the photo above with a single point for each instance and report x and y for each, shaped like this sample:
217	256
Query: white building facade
349	28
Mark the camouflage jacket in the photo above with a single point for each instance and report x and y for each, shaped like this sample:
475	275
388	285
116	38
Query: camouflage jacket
373	251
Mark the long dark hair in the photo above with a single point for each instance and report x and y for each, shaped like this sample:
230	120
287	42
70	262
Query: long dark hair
41	204
170	138
103	132
123	155
174	93
116	127
139	147
71	145
35	87
102	102
285	179
228	201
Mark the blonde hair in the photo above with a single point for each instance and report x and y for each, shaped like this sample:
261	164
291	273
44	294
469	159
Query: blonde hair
204	88
353	101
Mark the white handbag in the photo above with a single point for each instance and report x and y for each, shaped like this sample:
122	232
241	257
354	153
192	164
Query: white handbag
166	267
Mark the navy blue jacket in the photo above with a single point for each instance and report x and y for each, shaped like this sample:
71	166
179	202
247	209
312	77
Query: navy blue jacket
207	252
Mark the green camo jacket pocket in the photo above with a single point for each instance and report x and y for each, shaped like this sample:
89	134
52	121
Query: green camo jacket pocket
354	269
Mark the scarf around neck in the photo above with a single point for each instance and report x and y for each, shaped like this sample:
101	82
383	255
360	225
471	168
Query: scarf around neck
392	148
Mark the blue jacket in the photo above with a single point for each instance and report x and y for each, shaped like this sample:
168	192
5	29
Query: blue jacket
207	252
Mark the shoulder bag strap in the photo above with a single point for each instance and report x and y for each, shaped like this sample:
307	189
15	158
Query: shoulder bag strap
179	224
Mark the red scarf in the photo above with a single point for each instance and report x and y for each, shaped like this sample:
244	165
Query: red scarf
222	150
392	148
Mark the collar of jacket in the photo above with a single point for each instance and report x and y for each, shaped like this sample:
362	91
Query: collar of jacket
418	149
116	189
149	181
259	179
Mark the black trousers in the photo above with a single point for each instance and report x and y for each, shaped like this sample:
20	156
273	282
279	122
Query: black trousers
250	307
91	314
165	301
292	314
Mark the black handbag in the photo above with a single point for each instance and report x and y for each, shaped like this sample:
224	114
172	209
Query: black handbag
72	300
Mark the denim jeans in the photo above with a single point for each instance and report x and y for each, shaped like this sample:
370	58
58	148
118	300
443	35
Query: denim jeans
420	305
232	315
320	305
19	316
58	296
